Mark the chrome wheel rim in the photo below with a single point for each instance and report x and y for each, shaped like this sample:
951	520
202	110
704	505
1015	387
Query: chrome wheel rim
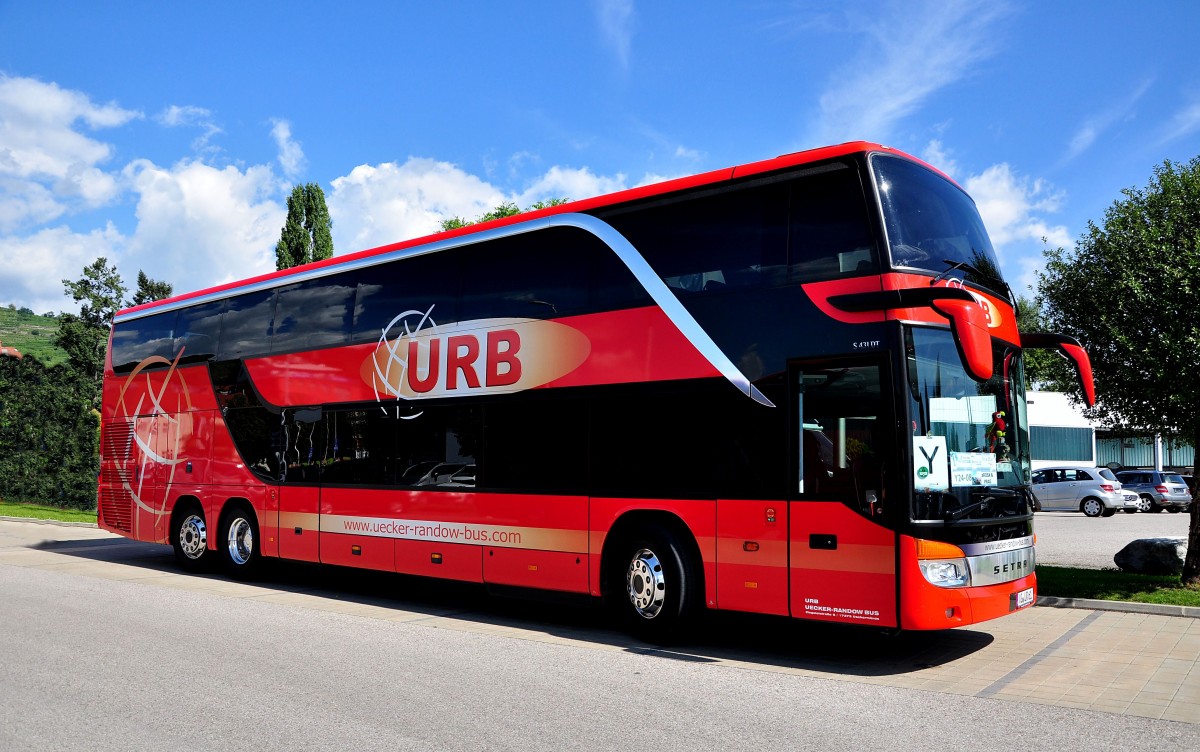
645	584
193	536
241	541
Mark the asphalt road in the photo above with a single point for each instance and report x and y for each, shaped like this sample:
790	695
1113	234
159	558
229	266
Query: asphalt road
107	646
1070	539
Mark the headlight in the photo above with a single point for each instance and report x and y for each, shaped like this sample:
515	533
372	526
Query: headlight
946	572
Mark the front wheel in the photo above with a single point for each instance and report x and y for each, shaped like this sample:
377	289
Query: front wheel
239	543
1129	511
1092	507
657	588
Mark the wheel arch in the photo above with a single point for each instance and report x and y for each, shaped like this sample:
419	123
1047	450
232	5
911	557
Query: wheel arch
234	502
183	504
627	525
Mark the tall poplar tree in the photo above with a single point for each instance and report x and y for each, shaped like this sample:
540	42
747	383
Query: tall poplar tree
307	234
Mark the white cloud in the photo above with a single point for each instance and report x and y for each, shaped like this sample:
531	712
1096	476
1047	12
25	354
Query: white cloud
34	267
1184	123
616	27
572	183
379	204
291	156
1012	207
46	164
1097	124
913	50
199	225
190	116
26	202
938	156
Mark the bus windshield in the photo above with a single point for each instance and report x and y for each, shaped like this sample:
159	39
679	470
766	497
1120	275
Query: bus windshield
934	226
968	436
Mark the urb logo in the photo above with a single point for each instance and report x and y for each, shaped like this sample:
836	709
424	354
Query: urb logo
416	358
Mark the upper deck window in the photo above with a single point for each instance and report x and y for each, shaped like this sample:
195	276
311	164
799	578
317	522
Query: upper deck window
765	233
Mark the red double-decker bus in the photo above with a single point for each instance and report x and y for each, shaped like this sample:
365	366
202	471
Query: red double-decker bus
791	387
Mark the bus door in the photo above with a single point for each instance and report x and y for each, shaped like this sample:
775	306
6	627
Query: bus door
842	564
299	489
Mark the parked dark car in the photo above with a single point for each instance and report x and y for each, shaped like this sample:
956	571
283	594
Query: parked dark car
1157	490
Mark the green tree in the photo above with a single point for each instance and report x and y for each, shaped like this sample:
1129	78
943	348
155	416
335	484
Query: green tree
100	294
48	434
307	233
150	289
503	209
1127	291
1043	369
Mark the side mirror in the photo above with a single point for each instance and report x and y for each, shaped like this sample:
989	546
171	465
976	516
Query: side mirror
1070	349
968	323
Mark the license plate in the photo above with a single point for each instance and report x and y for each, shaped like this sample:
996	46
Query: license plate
1022	599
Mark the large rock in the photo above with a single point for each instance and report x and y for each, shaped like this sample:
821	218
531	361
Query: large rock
1153	556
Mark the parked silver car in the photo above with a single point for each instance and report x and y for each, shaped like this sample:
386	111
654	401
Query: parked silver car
1095	491
1157	490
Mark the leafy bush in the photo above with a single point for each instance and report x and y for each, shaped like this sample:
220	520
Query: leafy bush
49	435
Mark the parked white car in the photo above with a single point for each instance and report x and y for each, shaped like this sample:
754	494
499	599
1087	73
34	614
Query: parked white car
1095	491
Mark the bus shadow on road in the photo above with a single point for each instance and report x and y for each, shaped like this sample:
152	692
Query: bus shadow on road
721	637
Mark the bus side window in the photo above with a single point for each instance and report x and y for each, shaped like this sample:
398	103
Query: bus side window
246	326
134	341
830	235
198	330
315	313
710	242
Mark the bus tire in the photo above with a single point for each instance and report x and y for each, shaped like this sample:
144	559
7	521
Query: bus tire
239	544
189	537
657	587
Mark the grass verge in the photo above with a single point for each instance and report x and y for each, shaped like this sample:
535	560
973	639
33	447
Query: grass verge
1115	585
39	512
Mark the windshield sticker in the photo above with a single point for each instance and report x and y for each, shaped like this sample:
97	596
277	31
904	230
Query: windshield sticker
972	469
930	463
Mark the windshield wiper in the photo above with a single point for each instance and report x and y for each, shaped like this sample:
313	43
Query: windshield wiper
954	266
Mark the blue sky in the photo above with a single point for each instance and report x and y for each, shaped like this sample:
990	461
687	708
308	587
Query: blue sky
166	136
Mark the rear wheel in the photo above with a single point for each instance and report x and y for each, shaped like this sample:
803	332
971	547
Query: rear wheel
1146	503
239	543
1129	511
1092	507
189	538
1174	510
655	584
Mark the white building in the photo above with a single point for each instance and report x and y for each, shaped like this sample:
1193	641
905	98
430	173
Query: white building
1059	434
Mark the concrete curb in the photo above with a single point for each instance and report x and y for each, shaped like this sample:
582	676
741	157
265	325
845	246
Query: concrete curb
49	522
1123	606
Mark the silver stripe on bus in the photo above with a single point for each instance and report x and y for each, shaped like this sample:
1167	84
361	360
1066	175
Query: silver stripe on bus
633	260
